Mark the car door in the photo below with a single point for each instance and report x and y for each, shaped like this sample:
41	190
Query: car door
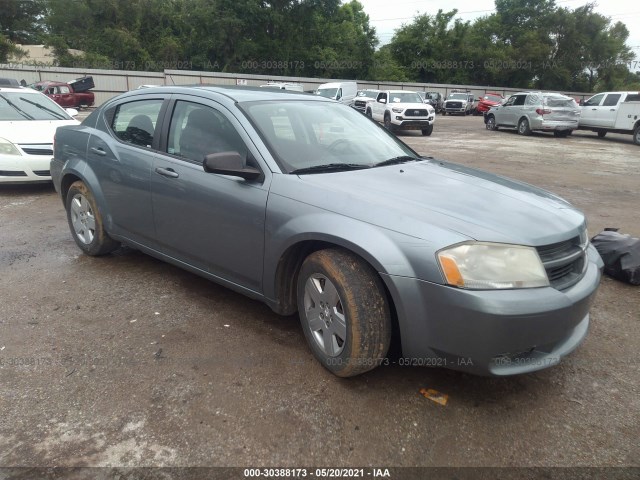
608	111
590	109
379	106
212	222
121	151
504	113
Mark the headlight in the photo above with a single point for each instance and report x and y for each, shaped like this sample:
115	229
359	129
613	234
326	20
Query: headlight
8	148
490	266
397	110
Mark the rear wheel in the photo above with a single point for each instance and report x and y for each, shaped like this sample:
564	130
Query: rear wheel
636	135
601	134
85	221
523	127
344	312
427	131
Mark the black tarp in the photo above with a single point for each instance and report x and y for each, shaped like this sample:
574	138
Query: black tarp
620	254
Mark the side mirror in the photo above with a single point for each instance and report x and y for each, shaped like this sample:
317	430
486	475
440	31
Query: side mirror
229	163
382	100
72	112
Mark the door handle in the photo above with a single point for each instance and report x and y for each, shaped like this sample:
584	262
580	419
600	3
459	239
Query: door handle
612	110
594	109
167	172
98	151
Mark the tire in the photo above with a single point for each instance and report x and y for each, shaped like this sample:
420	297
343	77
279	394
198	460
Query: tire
342	304
85	221
427	131
601	134
636	135
368	113
491	123
387	122
444	112
561	133
523	127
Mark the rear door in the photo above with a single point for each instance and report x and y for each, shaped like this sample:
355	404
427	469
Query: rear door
212	222
121	152
608	112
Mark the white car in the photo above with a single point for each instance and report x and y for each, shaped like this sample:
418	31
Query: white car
28	123
402	110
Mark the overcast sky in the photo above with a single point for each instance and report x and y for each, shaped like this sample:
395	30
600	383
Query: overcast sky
387	15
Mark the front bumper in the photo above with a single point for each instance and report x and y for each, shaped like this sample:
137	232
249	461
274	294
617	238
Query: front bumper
404	123
498	332
24	168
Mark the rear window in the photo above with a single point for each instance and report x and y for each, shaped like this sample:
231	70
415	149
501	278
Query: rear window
560	102
633	98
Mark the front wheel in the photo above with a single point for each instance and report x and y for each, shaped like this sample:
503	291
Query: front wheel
85	221
387	123
601	134
368	113
523	127
491	123
427	131
344	312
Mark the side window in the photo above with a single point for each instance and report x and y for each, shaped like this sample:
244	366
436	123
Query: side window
64	89
198	130
633	97
520	99
509	102
382	96
135	122
594	101
533	100
611	100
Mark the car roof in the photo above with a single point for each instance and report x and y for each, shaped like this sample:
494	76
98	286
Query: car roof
235	93
28	91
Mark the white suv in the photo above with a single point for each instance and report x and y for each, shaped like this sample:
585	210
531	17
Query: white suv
402	110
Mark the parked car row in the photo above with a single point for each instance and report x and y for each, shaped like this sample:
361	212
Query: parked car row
616	112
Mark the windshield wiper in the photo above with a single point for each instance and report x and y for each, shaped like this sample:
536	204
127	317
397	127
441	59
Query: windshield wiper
330	167
17	108
397	160
42	107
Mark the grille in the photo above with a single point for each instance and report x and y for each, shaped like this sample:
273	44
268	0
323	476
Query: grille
415	113
37	151
564	262
42	173
454	105
360	103
9	173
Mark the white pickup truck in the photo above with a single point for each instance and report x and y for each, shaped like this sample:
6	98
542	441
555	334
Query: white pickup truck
402	110
615	112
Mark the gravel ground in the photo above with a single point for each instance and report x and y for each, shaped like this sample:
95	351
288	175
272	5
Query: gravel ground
127	361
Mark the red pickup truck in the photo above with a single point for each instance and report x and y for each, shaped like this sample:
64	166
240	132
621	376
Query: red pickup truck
71	94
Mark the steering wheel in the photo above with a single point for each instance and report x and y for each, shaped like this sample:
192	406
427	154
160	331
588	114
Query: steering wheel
342	145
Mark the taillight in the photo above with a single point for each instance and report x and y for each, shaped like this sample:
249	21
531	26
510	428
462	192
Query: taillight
543	111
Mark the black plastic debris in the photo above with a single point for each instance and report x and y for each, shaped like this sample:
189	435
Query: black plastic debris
620	254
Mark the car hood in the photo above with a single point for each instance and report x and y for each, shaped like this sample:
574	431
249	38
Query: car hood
408	106
32	131
415	198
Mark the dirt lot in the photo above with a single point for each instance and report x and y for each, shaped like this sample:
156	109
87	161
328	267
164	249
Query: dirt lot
128	361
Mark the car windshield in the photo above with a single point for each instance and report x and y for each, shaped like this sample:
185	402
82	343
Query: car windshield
458	96
311	134
557	101
404	97
493	98
432	95
367	93
16	106
327	92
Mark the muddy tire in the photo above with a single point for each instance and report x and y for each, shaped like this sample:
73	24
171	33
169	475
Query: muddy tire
523	127
344	312
85	221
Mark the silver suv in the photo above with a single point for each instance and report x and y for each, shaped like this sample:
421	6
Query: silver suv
529	111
